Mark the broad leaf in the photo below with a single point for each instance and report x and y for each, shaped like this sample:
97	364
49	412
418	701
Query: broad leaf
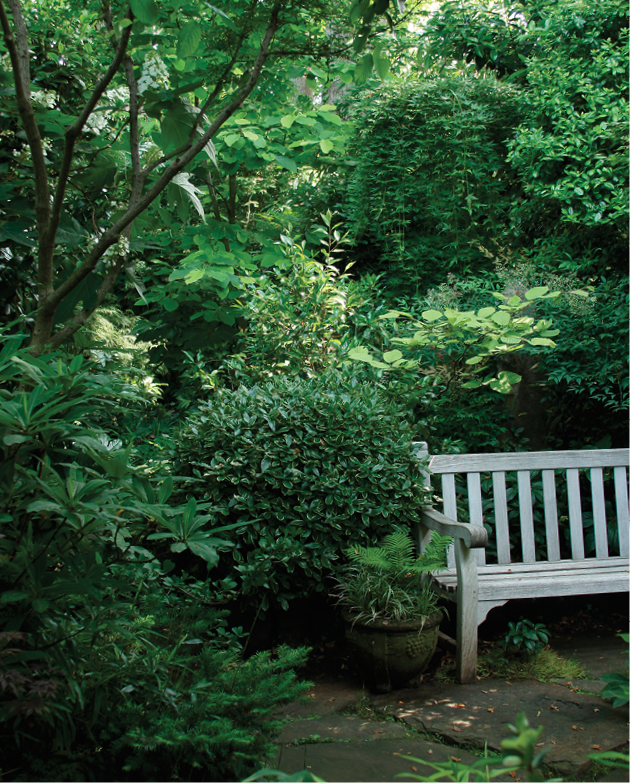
146	11
189	39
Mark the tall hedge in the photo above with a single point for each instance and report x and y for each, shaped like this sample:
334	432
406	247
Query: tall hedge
312	466
432	188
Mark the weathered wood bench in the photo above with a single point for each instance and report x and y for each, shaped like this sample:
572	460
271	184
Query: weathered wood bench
521	559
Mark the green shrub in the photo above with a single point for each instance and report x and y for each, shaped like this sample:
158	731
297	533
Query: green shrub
313	464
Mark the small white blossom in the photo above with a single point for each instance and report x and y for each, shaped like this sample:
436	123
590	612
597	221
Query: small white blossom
44	98
96	123
154	73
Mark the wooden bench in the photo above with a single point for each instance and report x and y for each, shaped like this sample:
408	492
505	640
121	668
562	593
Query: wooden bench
524	556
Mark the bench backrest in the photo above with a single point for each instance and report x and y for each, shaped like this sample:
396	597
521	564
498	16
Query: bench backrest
515	500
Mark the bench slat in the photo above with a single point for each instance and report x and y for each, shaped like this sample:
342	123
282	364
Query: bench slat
494	577
575	514
501	517
527	516
475	509
586	584
450	509
530	460
621	502
599	512
551	515
543	567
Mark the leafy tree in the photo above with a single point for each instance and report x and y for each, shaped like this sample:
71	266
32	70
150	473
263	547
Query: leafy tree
109	114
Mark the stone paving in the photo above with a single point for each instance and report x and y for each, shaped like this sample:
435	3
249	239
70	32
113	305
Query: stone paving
438	722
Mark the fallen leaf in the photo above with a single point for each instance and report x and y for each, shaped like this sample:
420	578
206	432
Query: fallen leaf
539	744
596	709
333	699
538	714
395	754
456	729
460	705
429	751
493	690
414	769
490	709
484	691
597	747
553	742
507	683
574	728
454	758
602	658
512	774
553	707
378	731
581	729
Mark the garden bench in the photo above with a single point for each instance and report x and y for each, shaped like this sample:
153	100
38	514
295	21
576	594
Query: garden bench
524	556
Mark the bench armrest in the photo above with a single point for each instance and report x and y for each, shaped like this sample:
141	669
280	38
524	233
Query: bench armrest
473	536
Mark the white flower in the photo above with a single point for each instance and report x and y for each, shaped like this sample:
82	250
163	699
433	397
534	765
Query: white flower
154	73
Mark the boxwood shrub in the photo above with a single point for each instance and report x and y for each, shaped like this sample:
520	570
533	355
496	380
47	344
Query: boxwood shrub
313	465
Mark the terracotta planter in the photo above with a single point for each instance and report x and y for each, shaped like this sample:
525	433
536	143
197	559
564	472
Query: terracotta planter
392	654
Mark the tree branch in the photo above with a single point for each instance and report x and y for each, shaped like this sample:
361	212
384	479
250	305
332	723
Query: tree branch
112	234
47	243
18	52
22	45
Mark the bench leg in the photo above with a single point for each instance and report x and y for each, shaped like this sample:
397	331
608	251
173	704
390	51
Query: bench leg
467	597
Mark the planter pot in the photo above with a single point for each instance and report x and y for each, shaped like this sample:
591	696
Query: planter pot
392	654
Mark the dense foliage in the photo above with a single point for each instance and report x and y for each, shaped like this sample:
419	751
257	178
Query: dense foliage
248	256
309	466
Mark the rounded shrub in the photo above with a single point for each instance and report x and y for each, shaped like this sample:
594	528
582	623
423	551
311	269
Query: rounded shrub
310	467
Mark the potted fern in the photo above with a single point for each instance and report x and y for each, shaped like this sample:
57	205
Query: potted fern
390	609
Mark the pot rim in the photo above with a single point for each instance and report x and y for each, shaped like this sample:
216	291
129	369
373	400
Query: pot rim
395	626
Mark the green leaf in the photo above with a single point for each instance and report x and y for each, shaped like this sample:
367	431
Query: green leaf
486	312
326	145
175	128
288	120
392	356
431	315
204	550
536	293
363	69
189	39
502	318
286	163
11	440
146	11
12	596
381	65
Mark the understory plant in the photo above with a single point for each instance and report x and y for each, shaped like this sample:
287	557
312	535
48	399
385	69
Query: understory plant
526	636
389	582
617	683
114	661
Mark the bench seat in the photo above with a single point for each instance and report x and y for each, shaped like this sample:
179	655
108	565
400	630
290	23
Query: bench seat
530	580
